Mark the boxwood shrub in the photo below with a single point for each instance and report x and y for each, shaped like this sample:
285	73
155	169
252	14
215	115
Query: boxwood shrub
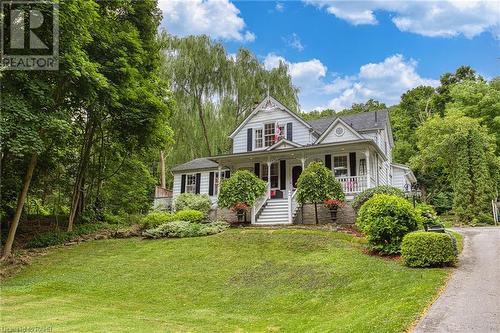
385	219
199	202
364	196
180	229
429	249
190	215
154	219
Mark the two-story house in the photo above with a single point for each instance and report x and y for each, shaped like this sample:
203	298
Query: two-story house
276	144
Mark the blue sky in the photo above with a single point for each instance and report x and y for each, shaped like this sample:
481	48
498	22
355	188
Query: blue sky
343	52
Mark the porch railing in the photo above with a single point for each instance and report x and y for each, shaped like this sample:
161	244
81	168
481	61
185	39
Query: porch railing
292	204
353	184
257	207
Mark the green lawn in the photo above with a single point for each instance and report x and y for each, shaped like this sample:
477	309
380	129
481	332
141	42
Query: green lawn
243	280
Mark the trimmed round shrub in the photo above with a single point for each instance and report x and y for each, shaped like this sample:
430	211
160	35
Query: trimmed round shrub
428	249
154	219
190	215
364	196
243	187
199	202
385	220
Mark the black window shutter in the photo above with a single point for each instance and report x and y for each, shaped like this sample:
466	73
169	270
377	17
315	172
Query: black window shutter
211	177
183	183
289	128
227	174
328	161
198	182
249	139
352	162
256	169
282	175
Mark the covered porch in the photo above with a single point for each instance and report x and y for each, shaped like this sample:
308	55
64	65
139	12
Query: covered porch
354	165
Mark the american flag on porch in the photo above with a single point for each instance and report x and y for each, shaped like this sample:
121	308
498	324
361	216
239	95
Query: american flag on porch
277	133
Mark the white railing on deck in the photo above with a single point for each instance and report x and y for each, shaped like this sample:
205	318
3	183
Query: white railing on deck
353	184
260	203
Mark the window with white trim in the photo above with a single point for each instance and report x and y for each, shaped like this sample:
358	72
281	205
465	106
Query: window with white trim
340	166
269	134
362	167
191	183
274	174
216	180
258	138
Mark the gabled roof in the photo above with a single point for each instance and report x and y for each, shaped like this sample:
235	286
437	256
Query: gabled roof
359	121
196	164
408	173
268	103
282	142
332	125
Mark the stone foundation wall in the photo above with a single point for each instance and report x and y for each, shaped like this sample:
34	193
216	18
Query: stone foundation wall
345	215
226	215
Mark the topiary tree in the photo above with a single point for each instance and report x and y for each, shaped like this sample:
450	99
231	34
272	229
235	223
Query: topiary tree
317	184
243	187
385	220
364	196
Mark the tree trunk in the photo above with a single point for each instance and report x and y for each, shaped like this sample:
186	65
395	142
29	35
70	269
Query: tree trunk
19	209
162	170
76	199
204	126
316	212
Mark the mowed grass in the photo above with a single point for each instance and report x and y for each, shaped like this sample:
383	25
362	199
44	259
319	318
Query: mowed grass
243	280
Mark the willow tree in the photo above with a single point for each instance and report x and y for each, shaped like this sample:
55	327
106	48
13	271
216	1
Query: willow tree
464	150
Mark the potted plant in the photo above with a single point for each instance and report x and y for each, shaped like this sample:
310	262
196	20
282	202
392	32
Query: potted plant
333	205
240	191
241	209
317	184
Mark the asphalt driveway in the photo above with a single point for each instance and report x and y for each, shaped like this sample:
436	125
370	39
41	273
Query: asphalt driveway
471	301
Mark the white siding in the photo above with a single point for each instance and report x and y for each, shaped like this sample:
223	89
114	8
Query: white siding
399	179
332	137
300	133
176	189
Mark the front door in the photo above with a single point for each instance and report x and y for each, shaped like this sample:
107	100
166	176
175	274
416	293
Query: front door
296	171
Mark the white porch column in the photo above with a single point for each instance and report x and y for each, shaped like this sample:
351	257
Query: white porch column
368	171
303	161
219	181
269	179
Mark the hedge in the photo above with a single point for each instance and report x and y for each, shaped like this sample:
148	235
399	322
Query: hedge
364	196
428	249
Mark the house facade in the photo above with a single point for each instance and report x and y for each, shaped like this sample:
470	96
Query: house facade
276	145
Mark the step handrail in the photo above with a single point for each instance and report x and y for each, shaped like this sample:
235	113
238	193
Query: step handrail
257	207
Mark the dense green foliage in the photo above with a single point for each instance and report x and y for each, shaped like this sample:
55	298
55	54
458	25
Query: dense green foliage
199	202
242	187
428	249
364	196
57	237
181	229
190	215
247	280
317	184
385	219
154	219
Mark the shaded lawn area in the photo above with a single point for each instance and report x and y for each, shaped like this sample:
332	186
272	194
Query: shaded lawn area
249	280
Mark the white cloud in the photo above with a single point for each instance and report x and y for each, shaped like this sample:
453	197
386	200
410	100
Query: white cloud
445	18
294	42
279	7
220	19
384	81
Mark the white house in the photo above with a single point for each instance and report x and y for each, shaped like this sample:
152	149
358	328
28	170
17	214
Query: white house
276	144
